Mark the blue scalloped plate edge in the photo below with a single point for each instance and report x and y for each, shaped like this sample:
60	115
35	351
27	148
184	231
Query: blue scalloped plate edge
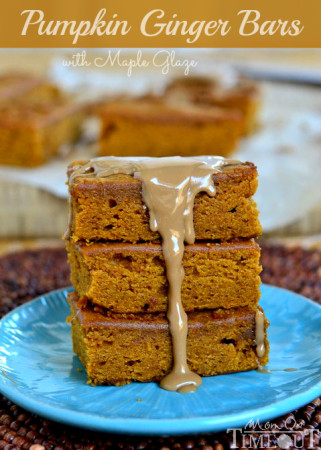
156	426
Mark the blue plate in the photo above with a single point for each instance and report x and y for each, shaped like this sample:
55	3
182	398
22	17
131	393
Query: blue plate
39	372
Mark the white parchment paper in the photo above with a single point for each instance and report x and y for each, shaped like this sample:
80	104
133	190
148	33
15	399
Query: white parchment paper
287	152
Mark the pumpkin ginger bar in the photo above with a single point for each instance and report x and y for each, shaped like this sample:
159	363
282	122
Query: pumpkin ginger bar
131	278
119	348
243	96
19	87
32	133
151	127
112	208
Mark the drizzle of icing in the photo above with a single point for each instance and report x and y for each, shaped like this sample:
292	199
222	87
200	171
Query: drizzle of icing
261	369
169	187
260	333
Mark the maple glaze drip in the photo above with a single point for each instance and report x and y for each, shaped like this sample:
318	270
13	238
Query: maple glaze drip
260	333
261	369
169	194
169	188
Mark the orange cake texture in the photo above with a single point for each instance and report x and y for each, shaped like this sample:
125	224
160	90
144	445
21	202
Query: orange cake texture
37	120
155	128
119	348
16	88
131	278
112	208
32	133
243	96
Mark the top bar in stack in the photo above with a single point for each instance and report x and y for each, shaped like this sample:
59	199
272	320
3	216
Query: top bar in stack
112	208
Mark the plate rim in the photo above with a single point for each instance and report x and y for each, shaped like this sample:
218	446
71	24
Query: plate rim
138	426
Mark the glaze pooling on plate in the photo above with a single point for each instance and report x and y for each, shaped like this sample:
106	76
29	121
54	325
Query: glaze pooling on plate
39	372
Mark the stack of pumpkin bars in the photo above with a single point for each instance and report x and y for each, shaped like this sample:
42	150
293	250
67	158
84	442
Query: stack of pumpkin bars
118	310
